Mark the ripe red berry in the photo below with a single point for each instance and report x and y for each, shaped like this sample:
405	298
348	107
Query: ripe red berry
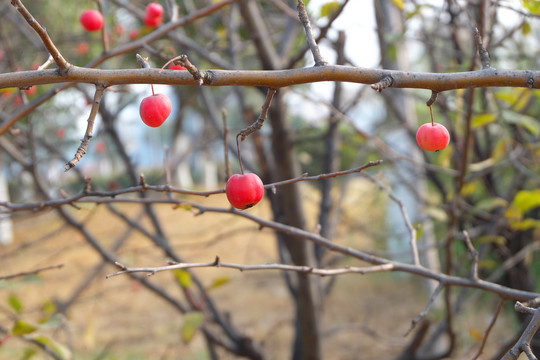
154	10
134	34
173	66
152	21
155	109
91	20
244	191
432	137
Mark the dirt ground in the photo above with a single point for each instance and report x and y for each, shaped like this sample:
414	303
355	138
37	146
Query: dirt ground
365	317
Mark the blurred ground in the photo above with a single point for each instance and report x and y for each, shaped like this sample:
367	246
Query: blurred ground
364	318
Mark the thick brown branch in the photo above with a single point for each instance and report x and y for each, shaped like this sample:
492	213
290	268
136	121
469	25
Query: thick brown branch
281	78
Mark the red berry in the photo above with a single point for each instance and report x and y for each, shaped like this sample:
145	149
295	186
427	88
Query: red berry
31	90
154	10
244	191
134	34
173	66
61	133
100	147
432	137
155	109
152	21
92	20
82	48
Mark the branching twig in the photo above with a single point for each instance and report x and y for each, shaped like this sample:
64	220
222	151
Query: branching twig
524	342
62	64
382	84
31	272
198	75
488	330
304	18
484	55
424	312
83	148
257	125
283	267
406	218
143	186
474	255
226	143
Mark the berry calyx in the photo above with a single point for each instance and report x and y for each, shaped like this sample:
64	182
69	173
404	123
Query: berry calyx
244	191
154	10
432	136
91	20
155	109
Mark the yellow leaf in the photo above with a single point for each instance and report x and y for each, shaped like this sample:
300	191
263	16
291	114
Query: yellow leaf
476	334
482	120
399	3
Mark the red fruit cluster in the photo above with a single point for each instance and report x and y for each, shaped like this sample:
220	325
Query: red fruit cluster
432	136
244	191
91	20
155	109
154	15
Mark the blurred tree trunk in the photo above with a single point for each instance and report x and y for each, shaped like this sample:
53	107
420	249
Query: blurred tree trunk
407	179
286	203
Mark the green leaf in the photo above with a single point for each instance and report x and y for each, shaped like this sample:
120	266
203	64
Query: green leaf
491	239
28	353
220	281
525	121
183	277
15	303
329	8
482	120
59	349
192	323
21	328
490	204
526	28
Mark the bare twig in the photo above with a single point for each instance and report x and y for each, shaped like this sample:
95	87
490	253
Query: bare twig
226	143
143	186
283	267
83	148
31	272
488	330
198	75
304	18
424	312
474	255
382	84
257	125
62	64
484	55
406	218
524	342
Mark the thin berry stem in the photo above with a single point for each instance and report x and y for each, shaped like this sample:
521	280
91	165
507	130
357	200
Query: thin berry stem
239	156
431	111
152	86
